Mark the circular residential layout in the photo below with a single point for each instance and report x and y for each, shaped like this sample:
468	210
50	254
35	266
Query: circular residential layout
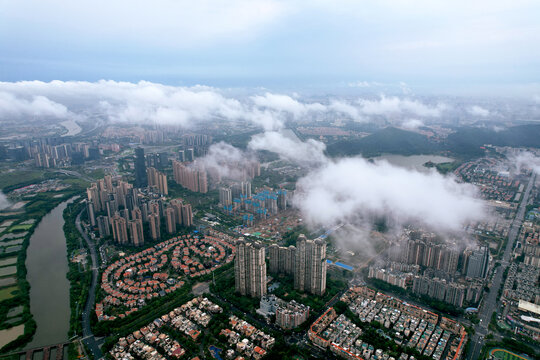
131	281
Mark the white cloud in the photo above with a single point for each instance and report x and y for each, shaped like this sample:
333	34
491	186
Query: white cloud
12	106
412	124
146	102
346	109
285	103
354	190
141	102
395	105
478	111
527	160
224	161
309	153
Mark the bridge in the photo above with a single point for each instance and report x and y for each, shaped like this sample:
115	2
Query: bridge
29	353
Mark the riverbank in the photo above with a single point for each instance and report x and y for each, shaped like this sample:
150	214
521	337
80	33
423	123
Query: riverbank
79	273
47	266
16	229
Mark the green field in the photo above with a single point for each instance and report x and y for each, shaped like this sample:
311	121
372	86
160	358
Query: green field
20	227
8	292
20	177
503	354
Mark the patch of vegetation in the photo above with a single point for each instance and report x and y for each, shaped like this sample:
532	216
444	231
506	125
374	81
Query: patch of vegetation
447	167
389	140
79	278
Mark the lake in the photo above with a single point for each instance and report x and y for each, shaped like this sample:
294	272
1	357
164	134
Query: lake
414	162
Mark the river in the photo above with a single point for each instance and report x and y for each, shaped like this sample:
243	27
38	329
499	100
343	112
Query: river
47	266
414	162
72	127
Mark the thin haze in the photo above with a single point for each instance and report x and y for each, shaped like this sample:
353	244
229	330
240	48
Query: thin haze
490	45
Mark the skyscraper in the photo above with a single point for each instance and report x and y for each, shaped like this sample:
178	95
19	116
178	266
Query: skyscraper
282	259
136	232
478	263
119	226
171	220
310	265
250	269
91	213
140	168
153	220
103	226
157	181
187	215
225	196
190	178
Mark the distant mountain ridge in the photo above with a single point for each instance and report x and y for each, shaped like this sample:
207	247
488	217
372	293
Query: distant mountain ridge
466	141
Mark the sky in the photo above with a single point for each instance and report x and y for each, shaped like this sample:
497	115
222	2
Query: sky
451	46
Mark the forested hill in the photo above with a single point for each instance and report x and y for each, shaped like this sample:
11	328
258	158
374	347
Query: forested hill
465	142
387	140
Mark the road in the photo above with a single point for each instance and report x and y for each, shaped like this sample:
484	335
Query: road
88	337
75	174
490	302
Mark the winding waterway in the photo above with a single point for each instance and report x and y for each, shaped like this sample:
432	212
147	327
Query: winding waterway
47	266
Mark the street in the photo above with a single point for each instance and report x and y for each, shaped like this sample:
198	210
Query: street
490	302
88	337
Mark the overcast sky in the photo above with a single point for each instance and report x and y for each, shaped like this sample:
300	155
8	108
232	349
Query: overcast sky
434	44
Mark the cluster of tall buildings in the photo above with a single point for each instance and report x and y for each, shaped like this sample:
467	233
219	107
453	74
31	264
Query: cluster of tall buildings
428	252
250	269
243	170
157	181
306	262
48	153
447	291
120	210
190	178
238	199
234	193
186	155
392	277
427	266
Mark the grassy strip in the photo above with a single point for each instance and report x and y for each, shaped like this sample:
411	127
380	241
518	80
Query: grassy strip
79	279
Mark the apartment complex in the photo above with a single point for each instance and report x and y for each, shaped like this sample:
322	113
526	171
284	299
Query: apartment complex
250	269
306	262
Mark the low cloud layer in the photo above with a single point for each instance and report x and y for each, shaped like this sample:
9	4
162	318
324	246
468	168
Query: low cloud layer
151	103
12	106
527	160
478	111
412	124
353	190
395	105
356	192
309	153
225	162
